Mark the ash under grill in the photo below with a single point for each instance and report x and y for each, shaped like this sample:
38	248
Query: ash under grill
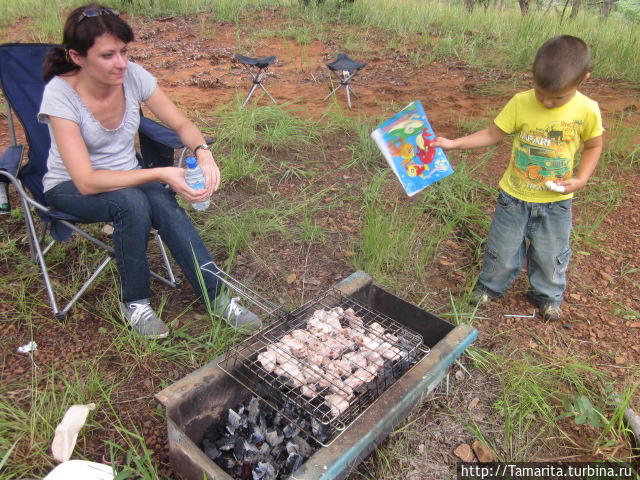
320	405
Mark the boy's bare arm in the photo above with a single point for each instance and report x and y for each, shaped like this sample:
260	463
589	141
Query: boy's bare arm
588	163
482	138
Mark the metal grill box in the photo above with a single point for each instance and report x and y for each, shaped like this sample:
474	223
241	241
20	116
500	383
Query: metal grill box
204	396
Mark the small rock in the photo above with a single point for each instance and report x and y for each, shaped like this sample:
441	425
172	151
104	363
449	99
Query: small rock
464	453
484	453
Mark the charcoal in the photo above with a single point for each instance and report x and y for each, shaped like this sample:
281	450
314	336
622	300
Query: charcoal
277	419
304	449
262	424
293	463
291	448
278	451
253	409
226	444
265	452
320	431
273	438
243	450
246	473
257	435
233	422
252	454
290	430
263	471
239	449
212	452
226	463
210	449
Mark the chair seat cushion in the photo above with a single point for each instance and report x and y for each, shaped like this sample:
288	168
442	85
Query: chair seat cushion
257	62
343	62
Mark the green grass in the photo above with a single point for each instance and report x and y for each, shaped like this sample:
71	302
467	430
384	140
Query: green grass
531	402
274	127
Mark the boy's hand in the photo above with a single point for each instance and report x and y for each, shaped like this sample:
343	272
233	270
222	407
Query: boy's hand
571	185
443	143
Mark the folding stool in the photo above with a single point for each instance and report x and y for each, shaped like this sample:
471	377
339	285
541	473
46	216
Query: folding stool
345	68
261	65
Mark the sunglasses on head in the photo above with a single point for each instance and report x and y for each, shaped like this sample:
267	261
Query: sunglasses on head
96	12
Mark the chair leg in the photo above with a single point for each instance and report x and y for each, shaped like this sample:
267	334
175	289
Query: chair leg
87	284
39	256
183	153
167	265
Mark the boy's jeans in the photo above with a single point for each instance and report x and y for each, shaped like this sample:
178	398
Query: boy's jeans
538	232
133	211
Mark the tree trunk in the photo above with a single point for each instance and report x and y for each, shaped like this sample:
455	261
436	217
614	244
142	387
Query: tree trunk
468	5
606	8
524	6
575	8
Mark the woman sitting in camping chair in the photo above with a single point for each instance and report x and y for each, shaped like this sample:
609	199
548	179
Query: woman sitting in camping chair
91	104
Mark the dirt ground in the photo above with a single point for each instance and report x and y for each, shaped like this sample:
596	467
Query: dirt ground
199	73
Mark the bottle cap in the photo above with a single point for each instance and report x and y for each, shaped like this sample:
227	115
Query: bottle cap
191	162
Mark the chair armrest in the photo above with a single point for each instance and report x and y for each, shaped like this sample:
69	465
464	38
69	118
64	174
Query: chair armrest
159	133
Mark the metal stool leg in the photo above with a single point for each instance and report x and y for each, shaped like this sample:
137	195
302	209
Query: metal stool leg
257	81
253	89
267	92
333	91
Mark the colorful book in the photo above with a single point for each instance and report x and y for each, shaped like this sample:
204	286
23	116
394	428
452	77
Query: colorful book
404	142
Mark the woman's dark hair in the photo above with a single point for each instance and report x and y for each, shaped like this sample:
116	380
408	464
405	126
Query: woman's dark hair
81	29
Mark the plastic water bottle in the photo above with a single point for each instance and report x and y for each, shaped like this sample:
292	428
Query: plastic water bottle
195	179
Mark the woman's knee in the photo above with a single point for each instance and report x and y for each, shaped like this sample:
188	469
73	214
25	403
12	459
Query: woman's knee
130	203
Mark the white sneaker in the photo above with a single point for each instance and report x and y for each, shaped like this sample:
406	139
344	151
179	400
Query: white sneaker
235	314
143	319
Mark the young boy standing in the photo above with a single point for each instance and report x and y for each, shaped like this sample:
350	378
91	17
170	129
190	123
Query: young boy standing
533	216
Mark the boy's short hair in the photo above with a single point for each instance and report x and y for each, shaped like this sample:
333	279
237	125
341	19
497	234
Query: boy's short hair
561	62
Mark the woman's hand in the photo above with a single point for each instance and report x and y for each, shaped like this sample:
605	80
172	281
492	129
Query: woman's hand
174	177
210	169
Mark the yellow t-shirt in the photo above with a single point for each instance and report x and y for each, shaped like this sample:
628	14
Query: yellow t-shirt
545	143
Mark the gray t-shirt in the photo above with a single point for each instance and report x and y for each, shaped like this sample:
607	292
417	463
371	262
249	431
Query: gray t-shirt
109	149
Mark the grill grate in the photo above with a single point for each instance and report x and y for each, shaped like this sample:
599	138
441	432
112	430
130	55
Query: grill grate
284	394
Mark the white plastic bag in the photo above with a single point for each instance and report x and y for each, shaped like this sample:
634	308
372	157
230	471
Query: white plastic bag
67	430
80	470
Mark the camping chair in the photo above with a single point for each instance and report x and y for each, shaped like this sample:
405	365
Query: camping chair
260	66
22	85
345	69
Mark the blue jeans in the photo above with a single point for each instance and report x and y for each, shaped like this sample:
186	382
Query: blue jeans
538	232
133	212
